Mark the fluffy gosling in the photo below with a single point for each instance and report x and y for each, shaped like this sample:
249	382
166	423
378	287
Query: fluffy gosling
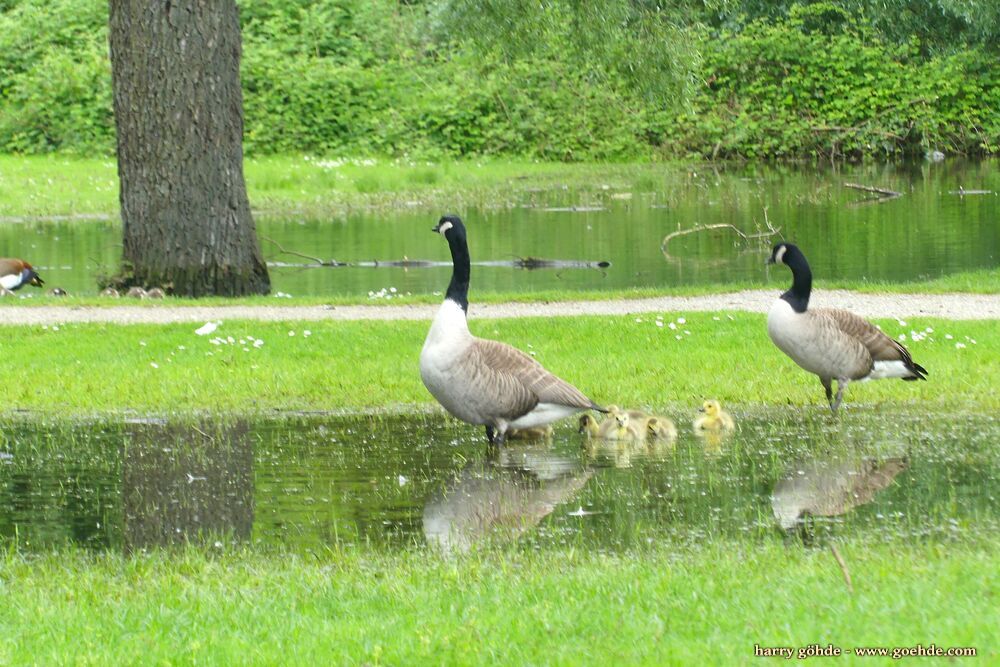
714	419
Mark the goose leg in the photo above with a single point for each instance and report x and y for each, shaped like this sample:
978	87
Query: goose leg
490	434
841	386
828	386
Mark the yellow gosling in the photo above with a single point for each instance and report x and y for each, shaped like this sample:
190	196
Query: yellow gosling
714	419
536	433
659	428
618	426
588	426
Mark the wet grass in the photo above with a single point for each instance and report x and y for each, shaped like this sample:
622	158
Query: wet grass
705	604
364	365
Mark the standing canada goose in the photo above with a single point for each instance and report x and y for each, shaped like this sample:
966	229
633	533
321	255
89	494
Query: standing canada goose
713	418
832	343
16	273
136	293
485	381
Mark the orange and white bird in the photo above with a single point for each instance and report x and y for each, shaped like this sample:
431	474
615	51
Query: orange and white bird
16	273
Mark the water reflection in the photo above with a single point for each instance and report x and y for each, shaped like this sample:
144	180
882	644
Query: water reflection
316	482
932	232
830	488
186	483
502	497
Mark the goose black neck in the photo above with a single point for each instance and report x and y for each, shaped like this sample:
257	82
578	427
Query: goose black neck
458	288
802	278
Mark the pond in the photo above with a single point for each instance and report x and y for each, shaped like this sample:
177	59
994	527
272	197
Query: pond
307	483
930	231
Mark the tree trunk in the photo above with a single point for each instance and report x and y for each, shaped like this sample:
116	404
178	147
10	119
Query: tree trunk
179	115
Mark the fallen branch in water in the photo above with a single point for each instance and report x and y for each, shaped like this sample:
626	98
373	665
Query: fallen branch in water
962	192
319	261
879	191
771	231
843	568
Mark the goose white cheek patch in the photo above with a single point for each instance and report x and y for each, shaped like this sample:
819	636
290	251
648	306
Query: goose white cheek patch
778	256
444	227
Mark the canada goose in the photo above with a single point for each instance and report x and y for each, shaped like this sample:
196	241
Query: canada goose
136	293
57	291
659	428
155	293
619	426
713	418
832	343
534	433
485	381
110	292
588	426
16	273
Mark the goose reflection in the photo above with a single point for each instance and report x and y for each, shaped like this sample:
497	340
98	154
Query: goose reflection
501	498
828	489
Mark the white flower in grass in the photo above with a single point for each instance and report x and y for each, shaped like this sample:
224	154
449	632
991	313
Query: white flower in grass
206	328
154	364
959	346
681	320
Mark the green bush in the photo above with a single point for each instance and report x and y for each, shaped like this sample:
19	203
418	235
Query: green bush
821	84
386	78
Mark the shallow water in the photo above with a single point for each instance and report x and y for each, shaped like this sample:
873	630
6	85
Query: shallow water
928	232
311	483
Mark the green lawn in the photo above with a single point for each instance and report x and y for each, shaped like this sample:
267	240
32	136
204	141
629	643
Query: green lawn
707	604
63	186
369	365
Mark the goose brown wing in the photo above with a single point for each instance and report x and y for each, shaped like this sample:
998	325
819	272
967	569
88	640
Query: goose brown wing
879	345
517	376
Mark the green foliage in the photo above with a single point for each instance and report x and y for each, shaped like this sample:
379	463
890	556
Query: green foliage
820	83
559	80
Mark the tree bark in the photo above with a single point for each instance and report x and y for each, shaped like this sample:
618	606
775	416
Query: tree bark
179	116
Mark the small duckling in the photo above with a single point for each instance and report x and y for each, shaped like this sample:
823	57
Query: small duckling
618	427
588	426
57	291
155	293
535	433
136	293
714	420
659	428
110	292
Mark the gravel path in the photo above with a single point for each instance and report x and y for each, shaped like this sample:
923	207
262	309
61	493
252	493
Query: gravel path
954	306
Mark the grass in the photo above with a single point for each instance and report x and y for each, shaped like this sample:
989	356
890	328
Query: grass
39	186
368	364
707	604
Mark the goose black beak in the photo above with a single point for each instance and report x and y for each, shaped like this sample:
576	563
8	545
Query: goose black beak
436	228
770	260
701	409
